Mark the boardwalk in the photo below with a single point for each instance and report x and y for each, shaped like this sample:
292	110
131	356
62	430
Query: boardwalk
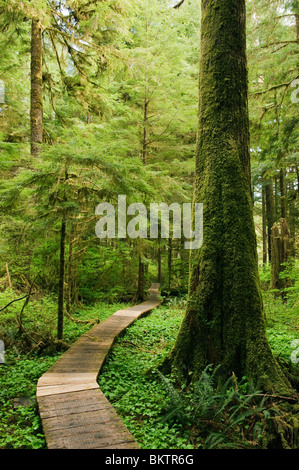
75	413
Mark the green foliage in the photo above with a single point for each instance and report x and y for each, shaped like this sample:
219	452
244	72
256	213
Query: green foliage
20	426
217	418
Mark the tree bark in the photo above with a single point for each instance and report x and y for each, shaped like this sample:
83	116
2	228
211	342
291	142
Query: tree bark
224	322
70	270
281	248
36	111
145	131
159	262
270	210
140	295
264	225
169	262
61	279
283	194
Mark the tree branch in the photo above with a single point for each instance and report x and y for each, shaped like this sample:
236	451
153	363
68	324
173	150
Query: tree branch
274	87
179	4
15	300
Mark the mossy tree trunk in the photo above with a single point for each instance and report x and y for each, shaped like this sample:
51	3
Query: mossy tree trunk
270	213
159	262
36	99
264	226
169	262
61	278
224	322
281	249
283	194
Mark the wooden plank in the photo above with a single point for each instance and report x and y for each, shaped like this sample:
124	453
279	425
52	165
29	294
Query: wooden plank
58	389
75	413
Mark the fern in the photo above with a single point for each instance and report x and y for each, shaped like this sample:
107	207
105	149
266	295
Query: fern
217	415
177	408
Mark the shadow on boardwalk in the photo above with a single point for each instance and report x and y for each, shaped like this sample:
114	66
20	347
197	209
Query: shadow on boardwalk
75	413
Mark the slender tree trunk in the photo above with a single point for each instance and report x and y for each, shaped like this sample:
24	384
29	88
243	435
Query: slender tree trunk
270	210
225	323
70	271
36	111
283	194
281	247
61	278
276	199
264	225
169	262
140	295
145	131
292	217
159	263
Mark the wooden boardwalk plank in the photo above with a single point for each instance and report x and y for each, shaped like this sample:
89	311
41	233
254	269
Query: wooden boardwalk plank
75	413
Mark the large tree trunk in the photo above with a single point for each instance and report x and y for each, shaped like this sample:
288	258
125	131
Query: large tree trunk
225	323
36	111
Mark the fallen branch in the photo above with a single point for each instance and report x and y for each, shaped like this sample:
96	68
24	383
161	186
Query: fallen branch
15	300
266	395
179	4
76	320
8	276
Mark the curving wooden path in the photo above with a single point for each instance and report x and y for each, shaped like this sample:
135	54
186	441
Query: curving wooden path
75	413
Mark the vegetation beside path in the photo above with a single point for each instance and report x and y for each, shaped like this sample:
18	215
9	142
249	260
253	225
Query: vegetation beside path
158	415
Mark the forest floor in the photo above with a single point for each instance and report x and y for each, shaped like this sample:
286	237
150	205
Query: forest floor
157	414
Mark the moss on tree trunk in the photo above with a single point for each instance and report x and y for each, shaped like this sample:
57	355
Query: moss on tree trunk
224	323
61	279
36	111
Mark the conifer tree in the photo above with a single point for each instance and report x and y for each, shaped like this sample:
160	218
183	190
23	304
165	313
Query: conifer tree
224	323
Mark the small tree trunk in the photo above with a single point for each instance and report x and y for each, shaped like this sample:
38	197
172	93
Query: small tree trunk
61	278
145	132
36	110
264	224
283	194
169	262
281	245
140	295
270	210
292	218
70	272
159	263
